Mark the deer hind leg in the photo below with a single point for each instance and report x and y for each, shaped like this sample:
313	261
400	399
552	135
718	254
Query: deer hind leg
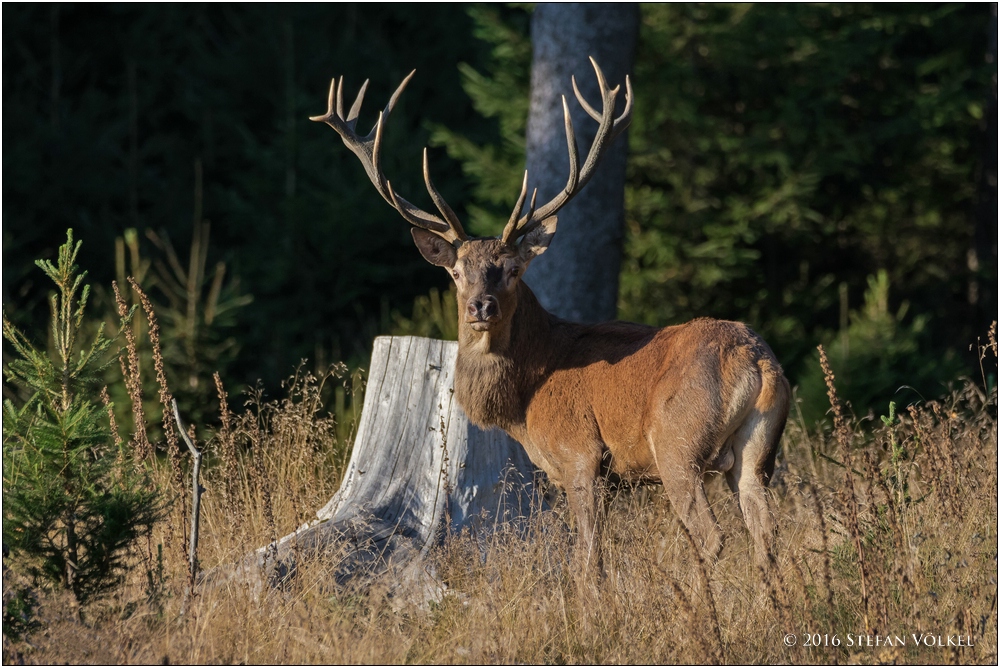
688	498
684	485
755	445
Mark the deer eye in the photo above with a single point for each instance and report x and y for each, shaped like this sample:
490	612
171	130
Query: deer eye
455	274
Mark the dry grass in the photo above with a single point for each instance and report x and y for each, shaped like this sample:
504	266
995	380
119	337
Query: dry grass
917	499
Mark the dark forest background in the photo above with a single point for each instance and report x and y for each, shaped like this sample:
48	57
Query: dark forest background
826	173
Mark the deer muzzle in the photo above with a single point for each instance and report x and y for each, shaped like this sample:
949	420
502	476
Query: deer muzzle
481	313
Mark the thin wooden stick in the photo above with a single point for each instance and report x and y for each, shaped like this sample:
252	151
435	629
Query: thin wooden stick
196	490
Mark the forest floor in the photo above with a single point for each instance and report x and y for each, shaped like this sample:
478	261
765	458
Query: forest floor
891	559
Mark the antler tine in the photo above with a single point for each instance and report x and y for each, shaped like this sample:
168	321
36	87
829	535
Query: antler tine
340	98
392	100
583	101
330	105
625	117
608	130
405	212
442	206
574	153
368	150
352	116
602	85
511	225
530	222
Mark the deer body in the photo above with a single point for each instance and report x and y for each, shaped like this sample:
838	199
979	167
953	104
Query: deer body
631	401
587	401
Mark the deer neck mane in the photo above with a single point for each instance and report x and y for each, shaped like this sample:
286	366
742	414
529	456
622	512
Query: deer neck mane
497	371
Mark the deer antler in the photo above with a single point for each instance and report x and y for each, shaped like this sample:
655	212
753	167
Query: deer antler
367	149
608	130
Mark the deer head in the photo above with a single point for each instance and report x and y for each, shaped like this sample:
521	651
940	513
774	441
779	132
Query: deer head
487	270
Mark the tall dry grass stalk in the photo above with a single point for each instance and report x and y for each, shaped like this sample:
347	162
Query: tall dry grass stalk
106	400
844	435
227	457
133	381
177	525
511	594
166	397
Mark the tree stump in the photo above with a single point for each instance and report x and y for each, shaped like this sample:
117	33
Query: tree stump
418	468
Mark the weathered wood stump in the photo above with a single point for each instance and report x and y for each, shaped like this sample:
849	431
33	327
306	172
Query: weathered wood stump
417	468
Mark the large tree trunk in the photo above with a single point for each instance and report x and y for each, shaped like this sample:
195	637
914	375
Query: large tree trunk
577	278
418	469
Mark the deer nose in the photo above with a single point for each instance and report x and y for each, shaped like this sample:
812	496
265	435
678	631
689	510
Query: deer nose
486	308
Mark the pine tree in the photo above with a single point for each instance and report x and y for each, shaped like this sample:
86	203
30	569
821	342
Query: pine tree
495	160
74	499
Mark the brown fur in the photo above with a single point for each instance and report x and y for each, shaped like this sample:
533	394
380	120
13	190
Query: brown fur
640	403
588	400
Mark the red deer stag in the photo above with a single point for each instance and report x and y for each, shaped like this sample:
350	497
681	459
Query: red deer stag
586	401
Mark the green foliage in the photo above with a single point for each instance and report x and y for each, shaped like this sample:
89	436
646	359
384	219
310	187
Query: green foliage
19	607
73	501
197	313
494	162
776	153
875	357
891	422
102	134
198	321
434	316
780	150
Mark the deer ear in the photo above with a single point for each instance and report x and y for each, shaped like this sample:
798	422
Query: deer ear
435	250
537	240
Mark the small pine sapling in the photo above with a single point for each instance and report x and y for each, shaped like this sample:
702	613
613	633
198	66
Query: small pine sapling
74	501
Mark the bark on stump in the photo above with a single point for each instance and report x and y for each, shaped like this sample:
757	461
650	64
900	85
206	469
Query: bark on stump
418	468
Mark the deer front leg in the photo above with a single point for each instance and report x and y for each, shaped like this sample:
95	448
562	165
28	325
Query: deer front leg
585	495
